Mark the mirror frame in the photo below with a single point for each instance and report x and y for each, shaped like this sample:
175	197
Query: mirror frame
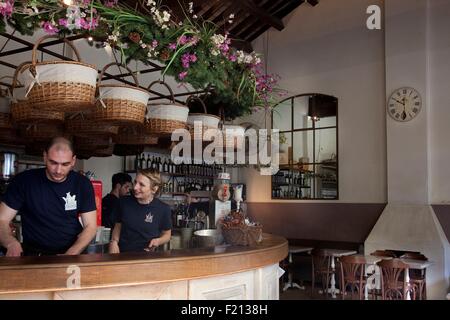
296	166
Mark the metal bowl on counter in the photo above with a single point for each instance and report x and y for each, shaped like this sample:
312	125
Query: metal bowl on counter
207	238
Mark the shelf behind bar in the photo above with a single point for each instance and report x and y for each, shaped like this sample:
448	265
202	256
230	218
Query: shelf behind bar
179	175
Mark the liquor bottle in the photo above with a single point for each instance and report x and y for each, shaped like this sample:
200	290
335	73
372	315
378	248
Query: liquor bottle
149	162
143	163
136	162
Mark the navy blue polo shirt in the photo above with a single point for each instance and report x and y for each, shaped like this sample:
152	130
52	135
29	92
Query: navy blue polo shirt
141	222
49	210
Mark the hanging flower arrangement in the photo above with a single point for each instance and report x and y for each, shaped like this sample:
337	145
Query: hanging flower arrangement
192	51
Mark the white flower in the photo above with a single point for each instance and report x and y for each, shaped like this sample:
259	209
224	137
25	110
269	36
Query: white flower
218	39
191	7
194	16
215	52
151	3
231	16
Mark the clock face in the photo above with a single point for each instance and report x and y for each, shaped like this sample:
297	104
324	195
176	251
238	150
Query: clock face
404	104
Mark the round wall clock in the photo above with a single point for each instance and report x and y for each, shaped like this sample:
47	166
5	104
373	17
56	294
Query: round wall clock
404	104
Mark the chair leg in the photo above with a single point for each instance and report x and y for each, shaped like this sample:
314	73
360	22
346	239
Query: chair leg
312	285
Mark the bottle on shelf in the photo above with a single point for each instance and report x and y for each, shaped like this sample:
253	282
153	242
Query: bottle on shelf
143	163
149	162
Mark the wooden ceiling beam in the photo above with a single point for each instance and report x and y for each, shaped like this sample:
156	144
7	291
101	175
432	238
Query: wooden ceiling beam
261	13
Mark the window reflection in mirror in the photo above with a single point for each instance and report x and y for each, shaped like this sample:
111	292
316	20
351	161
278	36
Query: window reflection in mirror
308	147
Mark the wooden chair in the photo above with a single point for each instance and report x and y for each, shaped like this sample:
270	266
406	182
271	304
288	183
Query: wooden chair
352	275
417	277
321	267
393	280
383	253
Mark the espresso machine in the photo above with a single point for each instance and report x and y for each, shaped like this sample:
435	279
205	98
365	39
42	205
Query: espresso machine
220	204
8	162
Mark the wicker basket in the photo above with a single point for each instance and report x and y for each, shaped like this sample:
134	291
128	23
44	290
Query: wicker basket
11	137
163	118
82	126
65	86
206	121
127	150
94	152
5	95
135	136
94	142
242	235
21	109
120	104
41	131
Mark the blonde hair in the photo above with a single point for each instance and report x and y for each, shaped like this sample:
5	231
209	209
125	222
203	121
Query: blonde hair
153	175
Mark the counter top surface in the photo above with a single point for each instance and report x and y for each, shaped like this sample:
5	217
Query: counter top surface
21	274
269	242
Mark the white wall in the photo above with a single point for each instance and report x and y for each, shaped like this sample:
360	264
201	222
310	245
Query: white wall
328	49
439	100
104	168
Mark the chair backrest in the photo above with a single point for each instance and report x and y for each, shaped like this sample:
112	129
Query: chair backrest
352	273
352	267
320	260
383	253
414	255
393	279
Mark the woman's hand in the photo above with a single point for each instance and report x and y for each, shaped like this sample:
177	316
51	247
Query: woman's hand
114	247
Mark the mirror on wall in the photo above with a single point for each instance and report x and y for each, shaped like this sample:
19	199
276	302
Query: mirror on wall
308	147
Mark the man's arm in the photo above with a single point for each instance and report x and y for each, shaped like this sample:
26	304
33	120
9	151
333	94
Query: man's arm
114	244
163	238
89	220
6	238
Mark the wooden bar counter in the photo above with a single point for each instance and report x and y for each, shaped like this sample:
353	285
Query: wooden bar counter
220	272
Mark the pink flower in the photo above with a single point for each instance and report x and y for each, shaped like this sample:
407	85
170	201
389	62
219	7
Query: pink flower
6	8
62	22
49	27
232	57
183	40
110	3
172	46
182	75
154	43
193	57
185	59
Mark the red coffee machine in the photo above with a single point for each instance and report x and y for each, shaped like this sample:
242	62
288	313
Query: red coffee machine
98	199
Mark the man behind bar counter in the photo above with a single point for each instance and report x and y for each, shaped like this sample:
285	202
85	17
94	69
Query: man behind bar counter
49	201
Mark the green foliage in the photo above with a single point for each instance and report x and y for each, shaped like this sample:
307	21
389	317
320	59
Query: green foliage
191	51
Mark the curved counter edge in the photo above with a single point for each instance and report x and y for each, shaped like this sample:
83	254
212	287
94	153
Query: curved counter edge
176	274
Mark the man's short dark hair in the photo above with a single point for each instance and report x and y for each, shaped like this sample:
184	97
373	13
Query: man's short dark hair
120	178
59	141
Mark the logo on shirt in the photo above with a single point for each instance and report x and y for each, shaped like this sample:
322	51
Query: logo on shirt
71	202
149	217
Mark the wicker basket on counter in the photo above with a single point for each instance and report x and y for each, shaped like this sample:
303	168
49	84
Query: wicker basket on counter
120	104
163	118
65	86
242	235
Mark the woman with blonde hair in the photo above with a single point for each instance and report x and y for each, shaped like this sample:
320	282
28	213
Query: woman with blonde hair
144	222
